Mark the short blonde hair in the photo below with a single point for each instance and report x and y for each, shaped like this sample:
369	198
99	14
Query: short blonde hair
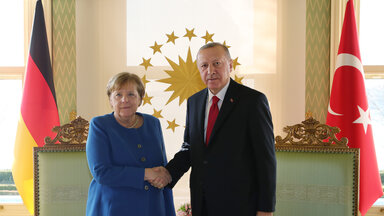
123	78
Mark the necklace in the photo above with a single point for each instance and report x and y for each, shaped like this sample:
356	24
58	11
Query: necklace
136	121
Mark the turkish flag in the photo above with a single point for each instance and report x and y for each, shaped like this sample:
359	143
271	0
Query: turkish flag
348	110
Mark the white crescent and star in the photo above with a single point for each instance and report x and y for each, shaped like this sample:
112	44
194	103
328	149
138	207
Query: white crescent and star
346	59
333	112
364	118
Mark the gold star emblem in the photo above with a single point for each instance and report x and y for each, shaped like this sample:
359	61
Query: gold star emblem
235	63
190	34
146	63
172	125
207	37
224	44
238	79
172	37
147	99
156	47
184	79
157	114
144	80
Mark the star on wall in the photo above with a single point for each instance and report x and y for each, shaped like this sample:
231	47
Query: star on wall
184	78
190	34
147	99
144	80
363	119
156	47
225	44
157	114
238	79
171	37
146	63
172	125
235	63
207	37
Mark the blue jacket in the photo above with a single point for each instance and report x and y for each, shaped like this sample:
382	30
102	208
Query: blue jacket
117	157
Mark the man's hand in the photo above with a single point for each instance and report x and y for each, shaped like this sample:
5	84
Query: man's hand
158	176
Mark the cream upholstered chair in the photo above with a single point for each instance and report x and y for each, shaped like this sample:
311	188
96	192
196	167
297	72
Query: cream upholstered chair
317	174
61	174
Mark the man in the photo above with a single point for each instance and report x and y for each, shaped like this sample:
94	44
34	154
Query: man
233	157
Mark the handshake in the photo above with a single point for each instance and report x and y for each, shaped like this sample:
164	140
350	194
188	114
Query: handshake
158	176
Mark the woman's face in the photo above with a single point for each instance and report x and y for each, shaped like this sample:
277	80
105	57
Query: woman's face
125	101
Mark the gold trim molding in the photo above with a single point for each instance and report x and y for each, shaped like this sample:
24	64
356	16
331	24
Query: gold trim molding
310	133
75	132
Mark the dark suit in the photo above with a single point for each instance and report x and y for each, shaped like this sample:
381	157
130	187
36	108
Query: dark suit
236	173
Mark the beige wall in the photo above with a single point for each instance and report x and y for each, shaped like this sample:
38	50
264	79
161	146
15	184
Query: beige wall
290	95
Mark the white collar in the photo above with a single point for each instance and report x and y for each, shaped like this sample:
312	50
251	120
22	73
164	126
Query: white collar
220	94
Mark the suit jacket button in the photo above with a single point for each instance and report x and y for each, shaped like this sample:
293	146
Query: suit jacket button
146	187
143	159
139	146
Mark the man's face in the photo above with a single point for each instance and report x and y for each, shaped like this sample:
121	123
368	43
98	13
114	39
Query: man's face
215	68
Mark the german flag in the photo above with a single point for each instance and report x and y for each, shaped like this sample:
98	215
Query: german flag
39	112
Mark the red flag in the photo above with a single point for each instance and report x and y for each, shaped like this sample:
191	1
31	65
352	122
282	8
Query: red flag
348	110
38	109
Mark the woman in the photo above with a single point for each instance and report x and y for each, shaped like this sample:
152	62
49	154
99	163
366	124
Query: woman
122	147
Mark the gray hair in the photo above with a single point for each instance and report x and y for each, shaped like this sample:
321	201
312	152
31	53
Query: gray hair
214	44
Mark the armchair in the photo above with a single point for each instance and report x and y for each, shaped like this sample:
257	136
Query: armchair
61	175
317	174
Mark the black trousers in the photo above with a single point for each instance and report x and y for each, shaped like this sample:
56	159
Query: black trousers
204	209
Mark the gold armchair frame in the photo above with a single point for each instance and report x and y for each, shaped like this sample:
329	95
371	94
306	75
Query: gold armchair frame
326	168
61	175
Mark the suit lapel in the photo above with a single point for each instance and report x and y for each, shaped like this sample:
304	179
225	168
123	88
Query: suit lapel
226	108
201	113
